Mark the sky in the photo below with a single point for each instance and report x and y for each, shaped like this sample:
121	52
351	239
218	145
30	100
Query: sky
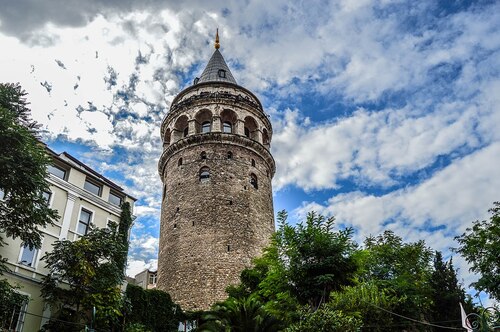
385	113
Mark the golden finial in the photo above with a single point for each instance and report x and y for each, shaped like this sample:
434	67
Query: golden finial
217	45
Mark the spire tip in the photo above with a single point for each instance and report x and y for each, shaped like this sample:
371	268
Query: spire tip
217	45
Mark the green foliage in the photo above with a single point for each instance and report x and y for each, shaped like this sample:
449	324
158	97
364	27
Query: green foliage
480	246
123	229
312	258
23	165
364	301
302	266
153	309
313	278
23	168
84	274
325	319
401	269
239	315
446	292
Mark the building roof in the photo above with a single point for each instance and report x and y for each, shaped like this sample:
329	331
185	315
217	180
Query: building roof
212	70
69	159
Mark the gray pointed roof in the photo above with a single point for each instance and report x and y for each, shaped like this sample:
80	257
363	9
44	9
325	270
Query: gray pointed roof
211	72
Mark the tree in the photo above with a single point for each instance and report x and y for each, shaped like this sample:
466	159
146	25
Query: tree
239	315
152	309
84	274
123	229
317	259
446	293
23	164
302	265
325	319
366	301
23	170
480	246
402	270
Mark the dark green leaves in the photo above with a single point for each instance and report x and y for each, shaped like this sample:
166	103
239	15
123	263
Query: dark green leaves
480	245
23	169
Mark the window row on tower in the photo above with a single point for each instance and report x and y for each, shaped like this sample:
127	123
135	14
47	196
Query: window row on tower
204	176
205	122
229	155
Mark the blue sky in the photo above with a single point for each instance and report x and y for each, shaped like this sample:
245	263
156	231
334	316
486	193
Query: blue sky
385	113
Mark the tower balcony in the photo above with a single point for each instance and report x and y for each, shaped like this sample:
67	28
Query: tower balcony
216	138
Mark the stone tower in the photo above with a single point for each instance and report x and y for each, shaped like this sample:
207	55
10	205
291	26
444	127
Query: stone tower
216	169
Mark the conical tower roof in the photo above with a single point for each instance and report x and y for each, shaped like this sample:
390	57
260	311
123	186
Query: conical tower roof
217	69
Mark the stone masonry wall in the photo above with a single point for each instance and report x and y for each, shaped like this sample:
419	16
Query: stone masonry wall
211	230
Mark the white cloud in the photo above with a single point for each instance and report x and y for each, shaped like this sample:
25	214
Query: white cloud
453	197
375	148
134	267
141	211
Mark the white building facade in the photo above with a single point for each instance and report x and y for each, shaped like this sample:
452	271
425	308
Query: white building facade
83	199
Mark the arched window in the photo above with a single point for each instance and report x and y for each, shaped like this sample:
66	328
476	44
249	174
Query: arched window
185	132
227	127
265	137
253	162
253	181
166	137
229	121
251	128
203	155
204	174
179	163
229	155
206	127
203	121
180	128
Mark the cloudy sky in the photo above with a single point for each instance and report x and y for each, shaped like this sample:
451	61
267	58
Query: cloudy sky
385	113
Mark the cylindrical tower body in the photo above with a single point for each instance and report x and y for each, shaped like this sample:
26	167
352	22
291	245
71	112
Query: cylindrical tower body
217	208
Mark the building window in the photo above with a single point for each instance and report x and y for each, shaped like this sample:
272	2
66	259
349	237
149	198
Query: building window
247	132
204	174
57	171
92	187
206	127
227	127
47	195
2	194
253	162
152	278
222	73
229	155
253	181
16	315
203	155
179	163
185	132
115	199
84	222
28	256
